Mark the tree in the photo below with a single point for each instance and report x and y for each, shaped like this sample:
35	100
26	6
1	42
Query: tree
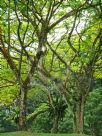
25	43
93	110
74	76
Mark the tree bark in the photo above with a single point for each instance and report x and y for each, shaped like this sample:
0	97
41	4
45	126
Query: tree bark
79	116
22	114
55	124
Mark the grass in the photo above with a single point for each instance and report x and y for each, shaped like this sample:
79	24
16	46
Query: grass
36	134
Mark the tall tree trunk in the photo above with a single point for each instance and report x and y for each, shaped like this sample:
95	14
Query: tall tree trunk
55	124
22	114
79	116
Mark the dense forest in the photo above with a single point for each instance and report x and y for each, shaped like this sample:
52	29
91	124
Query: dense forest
51	66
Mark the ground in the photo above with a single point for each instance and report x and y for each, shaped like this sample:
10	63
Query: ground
36	134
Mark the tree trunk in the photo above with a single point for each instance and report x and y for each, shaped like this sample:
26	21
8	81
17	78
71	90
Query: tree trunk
79	116
22	114
55	124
